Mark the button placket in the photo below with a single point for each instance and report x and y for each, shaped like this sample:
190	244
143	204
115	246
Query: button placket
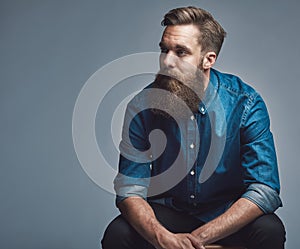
192	142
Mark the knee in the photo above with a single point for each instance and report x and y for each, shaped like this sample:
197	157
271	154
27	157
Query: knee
108	236
274	229
269	232
118	234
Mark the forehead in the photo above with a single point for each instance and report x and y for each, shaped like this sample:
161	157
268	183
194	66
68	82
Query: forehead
187	35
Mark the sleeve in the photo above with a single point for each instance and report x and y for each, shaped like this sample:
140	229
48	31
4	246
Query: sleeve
258	157
134	171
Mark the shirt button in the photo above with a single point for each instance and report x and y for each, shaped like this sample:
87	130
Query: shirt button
192	117
192	196
202	110
192	146
192	172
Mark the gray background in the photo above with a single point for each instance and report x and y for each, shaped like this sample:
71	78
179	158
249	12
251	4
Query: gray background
48	49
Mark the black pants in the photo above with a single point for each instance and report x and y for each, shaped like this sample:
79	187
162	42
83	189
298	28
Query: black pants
266	232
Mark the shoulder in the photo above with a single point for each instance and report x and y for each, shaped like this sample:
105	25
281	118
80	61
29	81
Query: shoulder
234	85
139	99
141	105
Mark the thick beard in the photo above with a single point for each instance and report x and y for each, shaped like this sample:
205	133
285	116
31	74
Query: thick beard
191	92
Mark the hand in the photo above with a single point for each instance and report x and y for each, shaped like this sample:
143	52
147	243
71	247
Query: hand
179	241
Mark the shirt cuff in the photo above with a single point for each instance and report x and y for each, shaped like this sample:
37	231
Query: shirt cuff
266	198
132	190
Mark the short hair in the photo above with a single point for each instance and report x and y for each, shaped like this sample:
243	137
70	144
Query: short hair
211	32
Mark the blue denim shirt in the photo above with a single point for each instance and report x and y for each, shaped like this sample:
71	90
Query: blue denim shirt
203	163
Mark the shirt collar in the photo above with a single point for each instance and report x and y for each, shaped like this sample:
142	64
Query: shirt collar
210	92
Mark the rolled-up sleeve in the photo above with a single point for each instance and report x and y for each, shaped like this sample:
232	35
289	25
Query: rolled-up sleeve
258	157
266	198
133	179
134	171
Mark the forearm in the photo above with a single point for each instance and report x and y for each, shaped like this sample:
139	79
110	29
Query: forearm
141	216
237	216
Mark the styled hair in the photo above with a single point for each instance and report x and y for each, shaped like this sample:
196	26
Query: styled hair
211	32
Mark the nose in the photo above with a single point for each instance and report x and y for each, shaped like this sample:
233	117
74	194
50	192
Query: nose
168	60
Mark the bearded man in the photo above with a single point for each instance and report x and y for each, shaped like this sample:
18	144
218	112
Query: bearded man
198	162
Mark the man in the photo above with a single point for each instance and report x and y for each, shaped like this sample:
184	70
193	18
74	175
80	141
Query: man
212	177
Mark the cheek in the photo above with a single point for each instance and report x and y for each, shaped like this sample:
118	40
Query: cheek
189	65
200	65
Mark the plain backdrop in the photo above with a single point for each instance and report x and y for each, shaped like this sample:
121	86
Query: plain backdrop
48	50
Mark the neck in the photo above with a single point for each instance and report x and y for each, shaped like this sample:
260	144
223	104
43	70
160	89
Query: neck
206	73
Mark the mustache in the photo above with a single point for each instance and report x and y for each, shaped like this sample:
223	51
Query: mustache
168	72
186	87
173	75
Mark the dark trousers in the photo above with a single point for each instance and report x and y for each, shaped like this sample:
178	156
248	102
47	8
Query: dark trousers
266	232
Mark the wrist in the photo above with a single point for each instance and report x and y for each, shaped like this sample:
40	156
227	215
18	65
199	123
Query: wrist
201	235
161	236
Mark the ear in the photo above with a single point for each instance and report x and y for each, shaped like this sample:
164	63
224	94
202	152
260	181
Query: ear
209	60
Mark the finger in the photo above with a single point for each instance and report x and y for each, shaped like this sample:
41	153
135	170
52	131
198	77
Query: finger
187	244
196	242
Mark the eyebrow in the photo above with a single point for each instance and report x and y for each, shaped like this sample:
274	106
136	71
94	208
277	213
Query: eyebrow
163	45
183	47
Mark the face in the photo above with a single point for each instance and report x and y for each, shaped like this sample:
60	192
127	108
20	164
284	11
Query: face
180	51
180	67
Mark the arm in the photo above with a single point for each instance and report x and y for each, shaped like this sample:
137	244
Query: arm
258	158
132	182
141	216
237	216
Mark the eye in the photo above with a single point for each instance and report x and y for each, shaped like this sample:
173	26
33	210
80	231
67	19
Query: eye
181	53
164	50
